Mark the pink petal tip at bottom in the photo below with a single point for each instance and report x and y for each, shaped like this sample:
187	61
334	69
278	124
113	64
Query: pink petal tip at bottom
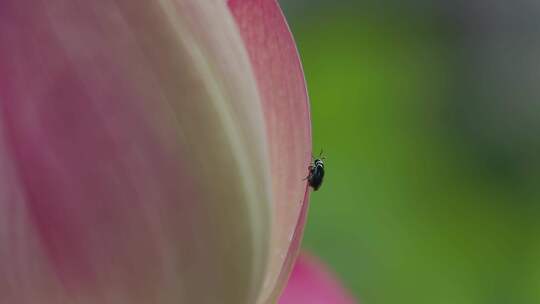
312	283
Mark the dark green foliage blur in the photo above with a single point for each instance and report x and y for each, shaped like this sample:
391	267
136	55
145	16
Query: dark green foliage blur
429	116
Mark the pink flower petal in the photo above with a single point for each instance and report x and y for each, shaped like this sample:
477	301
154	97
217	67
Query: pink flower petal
312	283
286	109
132	155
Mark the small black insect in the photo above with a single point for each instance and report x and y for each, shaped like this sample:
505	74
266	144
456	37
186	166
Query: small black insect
316	172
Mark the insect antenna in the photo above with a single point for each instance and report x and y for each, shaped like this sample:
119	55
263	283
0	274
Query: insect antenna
321	155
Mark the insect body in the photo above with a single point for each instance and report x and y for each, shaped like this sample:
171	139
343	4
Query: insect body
316	173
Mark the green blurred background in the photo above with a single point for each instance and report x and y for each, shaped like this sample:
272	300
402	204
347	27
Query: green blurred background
429	116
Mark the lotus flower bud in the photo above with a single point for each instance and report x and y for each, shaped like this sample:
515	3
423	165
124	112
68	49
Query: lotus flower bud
150	151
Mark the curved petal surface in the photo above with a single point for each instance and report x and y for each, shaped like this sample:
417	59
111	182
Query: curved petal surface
132	155
281	82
